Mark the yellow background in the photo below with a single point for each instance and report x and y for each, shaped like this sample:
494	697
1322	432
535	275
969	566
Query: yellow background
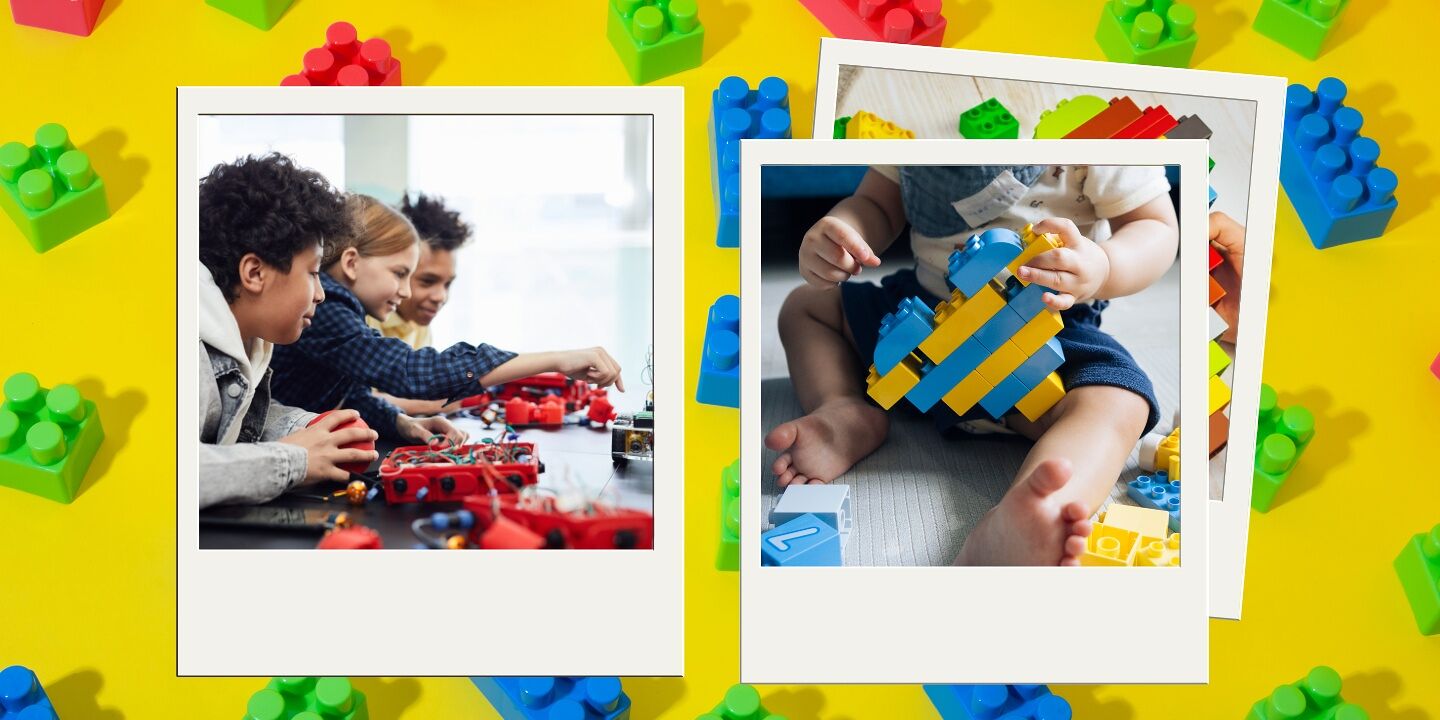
87	591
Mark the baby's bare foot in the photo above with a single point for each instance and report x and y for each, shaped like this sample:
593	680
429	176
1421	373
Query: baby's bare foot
1029	527
821	446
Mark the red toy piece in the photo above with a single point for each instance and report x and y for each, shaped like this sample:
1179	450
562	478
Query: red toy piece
1215	258
355	537
601	411
506	534
345	61
518	411
76	17
909	22
552	411
426	474
1156	121
597	527
575	393
355	467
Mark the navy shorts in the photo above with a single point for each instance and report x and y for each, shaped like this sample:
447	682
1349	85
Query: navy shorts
1092	356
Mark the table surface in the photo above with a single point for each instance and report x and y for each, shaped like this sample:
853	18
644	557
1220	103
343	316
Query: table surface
577	460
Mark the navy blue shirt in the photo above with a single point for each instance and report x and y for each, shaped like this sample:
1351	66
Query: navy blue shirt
339	359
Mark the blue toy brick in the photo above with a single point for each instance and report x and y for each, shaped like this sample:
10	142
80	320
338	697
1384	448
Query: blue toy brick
739	113
830	503
805	541
556	698
1026	300
999	328
1329	171
901	332
1158	492
997	702
1212	196
1045	361
982	258
22	697
940	379
997	402
720	359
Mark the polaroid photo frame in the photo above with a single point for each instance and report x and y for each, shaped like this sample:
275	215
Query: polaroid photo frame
1230	515
807	625
231	605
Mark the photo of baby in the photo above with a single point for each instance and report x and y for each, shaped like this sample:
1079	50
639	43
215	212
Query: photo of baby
937	384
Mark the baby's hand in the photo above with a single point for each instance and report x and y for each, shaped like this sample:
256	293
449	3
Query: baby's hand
1075	272
832	252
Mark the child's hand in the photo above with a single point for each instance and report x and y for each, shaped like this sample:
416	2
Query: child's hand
593	365
1228	237
325	449
1075	272
832	252
420	430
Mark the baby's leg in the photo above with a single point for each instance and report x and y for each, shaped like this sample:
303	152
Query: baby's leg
1080	448
841	426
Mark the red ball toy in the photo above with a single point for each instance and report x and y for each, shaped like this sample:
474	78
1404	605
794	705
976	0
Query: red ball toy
355	467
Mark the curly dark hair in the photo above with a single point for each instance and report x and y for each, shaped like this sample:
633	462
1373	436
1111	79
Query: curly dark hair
440	227
269	206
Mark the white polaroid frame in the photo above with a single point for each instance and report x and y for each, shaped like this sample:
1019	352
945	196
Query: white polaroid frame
975	624
227	622
1230	517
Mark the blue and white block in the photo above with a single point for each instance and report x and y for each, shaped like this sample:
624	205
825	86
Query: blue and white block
806	541
830	503
1157	492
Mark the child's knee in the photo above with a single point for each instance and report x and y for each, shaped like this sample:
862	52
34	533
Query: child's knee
807	306
1122	409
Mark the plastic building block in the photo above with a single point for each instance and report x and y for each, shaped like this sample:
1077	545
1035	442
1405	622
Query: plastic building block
47	438
995	335
1036	333
345	61
1034	245
957	319
1121	113
1329	171
742	702
1026	299
1191	127
939	379
1219	430
1218	326
1149	446
1109	545
556	698
997	702
1219	359
1153	552
1144	522
1219	394
1153	123
262	14
1041	398
50	190
989	121
830	503
805	541
840	127
1313	697
982	258
967	393
895	384
1215	259
1147	32
729	556
868	126
1418	567
76	17
305	698
655	38
739	113
1217	292
1281	437
22	697
1301	25
1068	115
911	22
1167	455
720	359
901	332
1158	492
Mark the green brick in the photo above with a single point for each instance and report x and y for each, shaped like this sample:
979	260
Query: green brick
47	438
1419	569
989	121
307	698
1067	115
262	14
1301	25
742	702
1313	697
50	190
840	124
1280	439
1147	32
656	38
729	556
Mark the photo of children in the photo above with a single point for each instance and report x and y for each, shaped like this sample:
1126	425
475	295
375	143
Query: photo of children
936	379
399	352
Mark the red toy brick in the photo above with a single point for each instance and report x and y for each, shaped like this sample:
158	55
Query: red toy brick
909	22
355	537
424	474
596	527
601	411
1121	113
345	61
76	17
1155	122
368	445
1215	258
575	393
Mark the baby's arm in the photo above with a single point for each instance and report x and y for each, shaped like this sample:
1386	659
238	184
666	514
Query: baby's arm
1141	247
853	233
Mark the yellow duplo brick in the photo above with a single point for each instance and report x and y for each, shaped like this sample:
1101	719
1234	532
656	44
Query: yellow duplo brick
1034	245
1219	394
1109	546
1001	363
958	318
1146	522
1167	455
1037	332
889	389
1154	552
966	393
869	126
1041	398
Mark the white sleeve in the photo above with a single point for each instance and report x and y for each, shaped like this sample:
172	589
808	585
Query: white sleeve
1117	189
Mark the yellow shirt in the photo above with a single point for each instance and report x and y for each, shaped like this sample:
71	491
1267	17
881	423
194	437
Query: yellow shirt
415	335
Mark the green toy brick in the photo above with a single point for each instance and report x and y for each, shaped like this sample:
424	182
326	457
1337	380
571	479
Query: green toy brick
656	38
1313	697
1280	438
1419	569
262	14
50	190
47	438
1147	32
742	702
989	121
840	124
729	555
307	698
1301	25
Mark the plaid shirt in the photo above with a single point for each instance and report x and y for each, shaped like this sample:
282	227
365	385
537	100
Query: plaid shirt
339	358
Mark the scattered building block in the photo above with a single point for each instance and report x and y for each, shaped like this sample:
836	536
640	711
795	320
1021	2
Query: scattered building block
1281	437
829	503
1218	326
305	698
1121	113
888	390
739	113
1191	127
997	702
1147	32
1216	291
346	61
262	14
868	126
50	190
1219	359
1418	567
908	22
804	541
1153	123
989	120
1219	430
729	556
75	17
48	438
1068	115
655	39
841	124
1109	546
556	698
1301	25
1158	492
22	697
719	382
742	702
1313	697
1219	394
1167	455
1153	552
1144	522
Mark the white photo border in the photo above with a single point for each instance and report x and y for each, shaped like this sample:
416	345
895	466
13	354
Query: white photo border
225	622
1230	516
938	625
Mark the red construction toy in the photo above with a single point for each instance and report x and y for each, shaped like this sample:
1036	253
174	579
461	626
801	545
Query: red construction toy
550	411
913	22
596	527
356	467
355	537
345	61
440	474
601	411
76	17
576	394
